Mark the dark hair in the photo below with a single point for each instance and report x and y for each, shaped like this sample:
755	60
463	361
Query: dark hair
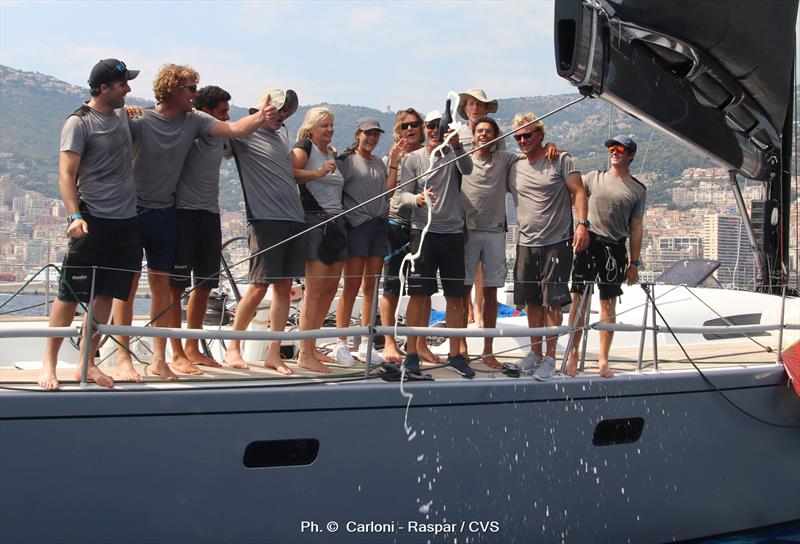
210	96
94	91
487	119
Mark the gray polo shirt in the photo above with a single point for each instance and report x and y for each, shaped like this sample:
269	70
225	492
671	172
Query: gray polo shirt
363	179
160	147
483	192
265	170
544	203
465	138
198	185
105	173
613	202
446	213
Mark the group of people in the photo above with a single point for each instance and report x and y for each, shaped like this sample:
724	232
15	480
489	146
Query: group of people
147	181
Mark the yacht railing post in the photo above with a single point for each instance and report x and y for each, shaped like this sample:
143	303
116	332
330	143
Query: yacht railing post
655	328
88	330
779	354
373	313
577	325
585	338
644	326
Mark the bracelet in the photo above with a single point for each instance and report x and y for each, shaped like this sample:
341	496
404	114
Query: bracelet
74	216
392	167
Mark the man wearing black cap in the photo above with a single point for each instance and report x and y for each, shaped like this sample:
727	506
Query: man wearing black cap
96	184
616	209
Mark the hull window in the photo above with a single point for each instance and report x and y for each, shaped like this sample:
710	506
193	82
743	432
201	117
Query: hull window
281	453
618	431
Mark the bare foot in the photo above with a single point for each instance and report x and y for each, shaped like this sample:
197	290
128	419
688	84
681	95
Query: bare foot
94	374
234	359
491	361
322	358
310	362
391	354
572	365
126	372
185	366
605	372
427	355
48	380
275	362
201	360
163	371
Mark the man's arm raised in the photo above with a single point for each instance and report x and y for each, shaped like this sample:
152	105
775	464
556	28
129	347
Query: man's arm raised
245	125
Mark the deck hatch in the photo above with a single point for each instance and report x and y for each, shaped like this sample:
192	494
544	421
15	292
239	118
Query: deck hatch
281	453
611	432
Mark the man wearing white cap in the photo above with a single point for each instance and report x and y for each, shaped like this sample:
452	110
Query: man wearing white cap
616	209
274	214
472	105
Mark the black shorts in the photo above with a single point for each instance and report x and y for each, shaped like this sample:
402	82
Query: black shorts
285	261
541	275
368	239
317	238
603	262
198	249
110	244
399	236
157	234
443	253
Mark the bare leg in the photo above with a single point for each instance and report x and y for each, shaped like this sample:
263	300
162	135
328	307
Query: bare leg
278	315
479	291
608	314
466	313
312	315
101	310
415	318
61	314
454	314
372	271
123	315
353	272
388	305
424	351
572	363
552	318
245	311
490	321
535	319
195	312
160	301
180	362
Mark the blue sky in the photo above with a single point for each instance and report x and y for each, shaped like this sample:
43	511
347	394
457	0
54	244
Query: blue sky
397	54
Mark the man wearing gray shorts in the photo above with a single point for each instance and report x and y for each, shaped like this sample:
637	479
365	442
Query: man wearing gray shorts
274	214
544	192
483	199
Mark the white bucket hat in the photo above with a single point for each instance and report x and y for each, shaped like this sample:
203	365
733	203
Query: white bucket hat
278	98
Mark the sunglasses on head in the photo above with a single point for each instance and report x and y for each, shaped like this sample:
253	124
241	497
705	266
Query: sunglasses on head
432	125
191	88
524	135
411	124
120	67
617	148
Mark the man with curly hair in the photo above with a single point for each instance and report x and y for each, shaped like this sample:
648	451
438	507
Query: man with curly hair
162	138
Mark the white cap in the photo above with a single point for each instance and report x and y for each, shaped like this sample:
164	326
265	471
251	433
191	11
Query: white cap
434	115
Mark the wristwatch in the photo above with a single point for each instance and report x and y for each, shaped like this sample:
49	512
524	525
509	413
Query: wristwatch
584	222
636	262
73	217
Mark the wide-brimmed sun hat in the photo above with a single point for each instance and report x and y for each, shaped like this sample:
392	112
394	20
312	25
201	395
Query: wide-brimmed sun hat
279	99
478	95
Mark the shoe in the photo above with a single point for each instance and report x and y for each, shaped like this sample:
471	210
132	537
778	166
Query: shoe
344	357
546	370
376	358
460	365
411	364
530	363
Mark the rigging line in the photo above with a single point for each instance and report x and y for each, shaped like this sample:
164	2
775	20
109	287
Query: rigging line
646	150
710	383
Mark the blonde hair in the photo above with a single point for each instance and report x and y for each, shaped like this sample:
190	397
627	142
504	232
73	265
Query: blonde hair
313	118
522	119
170	78
398	118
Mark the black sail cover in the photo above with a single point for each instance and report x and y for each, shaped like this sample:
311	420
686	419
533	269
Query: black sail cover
716	74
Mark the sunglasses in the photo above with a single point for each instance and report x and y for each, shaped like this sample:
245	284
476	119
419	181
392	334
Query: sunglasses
432	125
525	135
191	88
412	124
120	67
617	148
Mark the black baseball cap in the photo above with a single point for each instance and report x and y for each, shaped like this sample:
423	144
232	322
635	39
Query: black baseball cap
110	70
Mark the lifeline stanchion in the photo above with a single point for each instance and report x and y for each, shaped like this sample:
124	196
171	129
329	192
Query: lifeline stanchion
644	328
655	325
88	330
373	313
577	325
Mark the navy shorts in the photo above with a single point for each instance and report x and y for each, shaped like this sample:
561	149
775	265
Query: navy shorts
442	253
157	233
284	261
112	245
604	262
541	275
399	236
368	239
198	249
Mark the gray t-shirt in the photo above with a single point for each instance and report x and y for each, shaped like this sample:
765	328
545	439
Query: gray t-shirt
265	170
465	138
160	147
363	179
544	203
105	173
613	203
198	185
397	210
327	190
483	192
447	217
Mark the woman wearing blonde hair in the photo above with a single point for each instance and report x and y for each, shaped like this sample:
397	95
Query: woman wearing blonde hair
326	247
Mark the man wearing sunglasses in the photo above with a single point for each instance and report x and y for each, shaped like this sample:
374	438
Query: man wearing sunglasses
616	209
545	192
96	183
162	138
